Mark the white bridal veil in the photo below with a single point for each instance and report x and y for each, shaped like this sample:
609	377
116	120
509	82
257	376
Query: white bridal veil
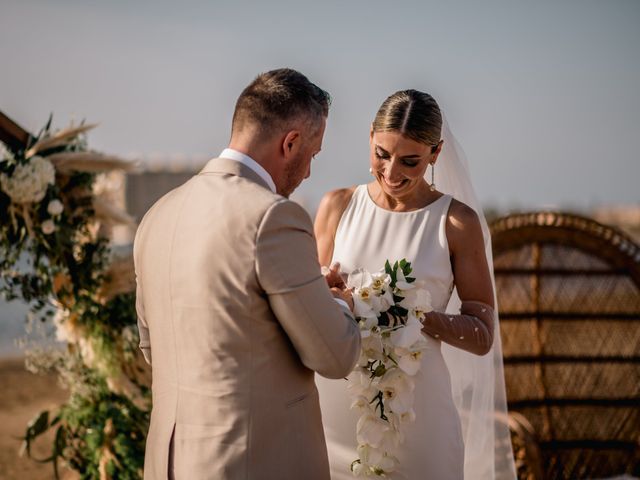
477	382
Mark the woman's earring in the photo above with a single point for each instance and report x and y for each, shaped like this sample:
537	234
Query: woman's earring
371	171
432	187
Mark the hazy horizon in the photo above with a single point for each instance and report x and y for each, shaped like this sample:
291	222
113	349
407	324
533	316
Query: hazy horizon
542	96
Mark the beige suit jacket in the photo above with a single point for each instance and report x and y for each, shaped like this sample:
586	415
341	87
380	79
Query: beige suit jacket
235	315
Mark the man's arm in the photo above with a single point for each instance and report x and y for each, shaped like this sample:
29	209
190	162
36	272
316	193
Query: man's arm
324	334
143	328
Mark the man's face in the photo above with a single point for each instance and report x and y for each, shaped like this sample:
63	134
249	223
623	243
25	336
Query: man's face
299	166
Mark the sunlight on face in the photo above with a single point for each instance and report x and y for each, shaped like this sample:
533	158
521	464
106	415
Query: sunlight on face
300	167
399	163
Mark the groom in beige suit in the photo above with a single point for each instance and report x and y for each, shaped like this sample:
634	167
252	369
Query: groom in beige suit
233	312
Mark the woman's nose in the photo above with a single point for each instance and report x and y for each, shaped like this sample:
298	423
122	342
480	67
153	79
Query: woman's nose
393	170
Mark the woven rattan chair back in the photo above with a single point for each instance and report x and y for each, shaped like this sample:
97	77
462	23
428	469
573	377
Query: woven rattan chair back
569	297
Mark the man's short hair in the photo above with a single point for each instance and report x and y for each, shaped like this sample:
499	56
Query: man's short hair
276	98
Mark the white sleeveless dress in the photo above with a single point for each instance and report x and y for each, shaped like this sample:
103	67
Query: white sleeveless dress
367	235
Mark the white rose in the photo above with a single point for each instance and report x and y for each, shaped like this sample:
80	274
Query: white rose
29	182
55	207
48	227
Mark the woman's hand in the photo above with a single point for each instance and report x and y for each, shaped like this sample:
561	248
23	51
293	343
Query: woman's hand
334	277
343	294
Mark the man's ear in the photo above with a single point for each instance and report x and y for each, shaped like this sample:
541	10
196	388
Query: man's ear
290	143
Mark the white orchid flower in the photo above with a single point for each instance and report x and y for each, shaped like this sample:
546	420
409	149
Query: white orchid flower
362	404
359	278
401	281
380	281
359	469
362	304
372	346
386	299
370	430
390	440
410	363
408	416
360	384
408	334
402	402
397	389
418	302
370	455
377	458
388	463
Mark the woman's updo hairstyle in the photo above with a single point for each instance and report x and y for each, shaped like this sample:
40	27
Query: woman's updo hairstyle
414	114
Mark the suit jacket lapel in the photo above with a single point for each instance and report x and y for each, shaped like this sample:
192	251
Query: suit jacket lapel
231	167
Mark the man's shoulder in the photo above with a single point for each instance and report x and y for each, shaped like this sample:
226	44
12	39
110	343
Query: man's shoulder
284	214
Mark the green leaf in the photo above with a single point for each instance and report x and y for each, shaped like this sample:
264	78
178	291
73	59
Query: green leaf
39	424
60	441
380	370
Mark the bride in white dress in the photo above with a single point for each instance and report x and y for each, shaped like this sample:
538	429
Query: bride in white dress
402	215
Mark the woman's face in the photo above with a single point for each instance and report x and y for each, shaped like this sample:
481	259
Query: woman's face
399	163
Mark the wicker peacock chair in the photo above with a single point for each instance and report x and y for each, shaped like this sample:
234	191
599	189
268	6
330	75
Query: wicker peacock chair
569	296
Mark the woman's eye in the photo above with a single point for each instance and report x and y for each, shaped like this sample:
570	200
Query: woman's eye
381	155
410	164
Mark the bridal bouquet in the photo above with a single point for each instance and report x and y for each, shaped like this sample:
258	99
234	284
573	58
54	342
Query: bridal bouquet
390	308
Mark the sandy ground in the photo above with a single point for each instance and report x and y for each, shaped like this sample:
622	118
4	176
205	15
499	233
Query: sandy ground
22	396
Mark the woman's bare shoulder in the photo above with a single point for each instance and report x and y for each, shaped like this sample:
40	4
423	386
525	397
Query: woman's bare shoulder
463	222
335	202
462	214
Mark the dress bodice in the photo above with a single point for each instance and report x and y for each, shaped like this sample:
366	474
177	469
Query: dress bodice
368	235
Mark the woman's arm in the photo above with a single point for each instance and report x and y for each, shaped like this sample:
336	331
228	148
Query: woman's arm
472	329
468	257
330	212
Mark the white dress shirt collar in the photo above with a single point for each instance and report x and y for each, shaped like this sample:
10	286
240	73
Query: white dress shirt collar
246	160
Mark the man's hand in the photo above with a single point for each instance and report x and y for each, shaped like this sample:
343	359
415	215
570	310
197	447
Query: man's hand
334	276
343	294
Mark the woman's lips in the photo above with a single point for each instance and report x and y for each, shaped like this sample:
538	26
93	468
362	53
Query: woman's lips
396	185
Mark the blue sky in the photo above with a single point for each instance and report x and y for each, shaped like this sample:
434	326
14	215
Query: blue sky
542	95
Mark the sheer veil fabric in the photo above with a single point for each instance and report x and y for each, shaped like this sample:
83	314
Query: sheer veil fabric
477	382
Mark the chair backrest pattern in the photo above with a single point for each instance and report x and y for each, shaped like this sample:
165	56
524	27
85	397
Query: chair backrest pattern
569	298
